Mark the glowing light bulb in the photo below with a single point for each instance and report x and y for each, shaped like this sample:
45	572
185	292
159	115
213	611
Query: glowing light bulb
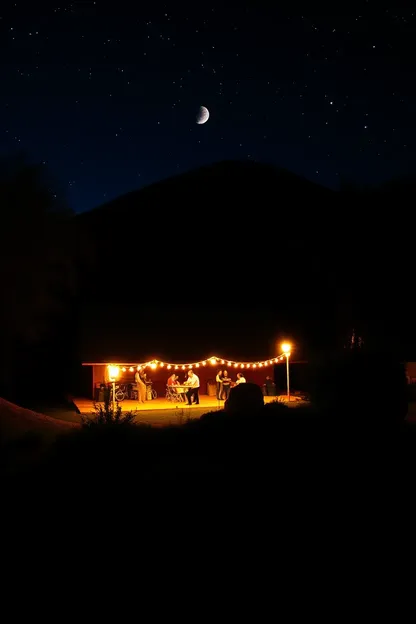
153	365
189	365
113	372
197	365
229	364
235	365
124	369
204	363
213	361
242	365
161	364
169	366
176	367
183	367
222	362
131	369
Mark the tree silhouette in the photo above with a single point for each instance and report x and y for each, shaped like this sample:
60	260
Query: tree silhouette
37	261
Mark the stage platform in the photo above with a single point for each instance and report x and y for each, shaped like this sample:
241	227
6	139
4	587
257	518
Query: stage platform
161	411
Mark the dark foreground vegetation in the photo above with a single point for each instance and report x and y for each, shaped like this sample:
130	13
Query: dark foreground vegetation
352	441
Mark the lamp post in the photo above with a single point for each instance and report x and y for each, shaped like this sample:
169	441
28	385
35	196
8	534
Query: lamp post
113	374
286	347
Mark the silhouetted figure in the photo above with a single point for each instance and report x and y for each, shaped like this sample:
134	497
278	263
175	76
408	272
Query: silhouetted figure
269	387
245	398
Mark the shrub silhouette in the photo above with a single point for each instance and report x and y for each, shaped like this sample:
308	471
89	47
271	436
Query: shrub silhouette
105	415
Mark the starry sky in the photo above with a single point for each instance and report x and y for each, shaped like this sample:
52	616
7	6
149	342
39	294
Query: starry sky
107	94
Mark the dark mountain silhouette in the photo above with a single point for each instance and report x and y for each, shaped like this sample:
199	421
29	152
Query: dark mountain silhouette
205	216
205	252
219	252
227	180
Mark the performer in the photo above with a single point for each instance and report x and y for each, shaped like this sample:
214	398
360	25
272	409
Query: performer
193	383
240	379
269	387
218	379
226	384
140	379
173	380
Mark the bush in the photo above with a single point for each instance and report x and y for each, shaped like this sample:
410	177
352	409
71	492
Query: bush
105	415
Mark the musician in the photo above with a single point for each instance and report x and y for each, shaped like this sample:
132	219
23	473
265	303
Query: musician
173	380
240	379
226	384
193	383
140	379
269	387
218	379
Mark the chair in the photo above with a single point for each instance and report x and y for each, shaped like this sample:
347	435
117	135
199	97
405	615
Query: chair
172	395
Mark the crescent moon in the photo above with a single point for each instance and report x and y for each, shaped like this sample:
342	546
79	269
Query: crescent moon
203	115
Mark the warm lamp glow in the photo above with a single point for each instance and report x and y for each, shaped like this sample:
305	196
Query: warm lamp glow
213	361
113	372
204	363
131	369
153	365
169	367
197	365
286	347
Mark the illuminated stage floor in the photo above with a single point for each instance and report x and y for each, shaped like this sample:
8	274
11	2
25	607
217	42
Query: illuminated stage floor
161	411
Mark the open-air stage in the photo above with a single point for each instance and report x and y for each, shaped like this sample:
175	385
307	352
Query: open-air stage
164	412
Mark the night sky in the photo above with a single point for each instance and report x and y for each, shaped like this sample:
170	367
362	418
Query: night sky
107	95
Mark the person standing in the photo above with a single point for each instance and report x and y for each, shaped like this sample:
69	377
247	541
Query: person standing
218	379
269	387
226	384
193	392
140	385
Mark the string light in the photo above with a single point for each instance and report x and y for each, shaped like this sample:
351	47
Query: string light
211	361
